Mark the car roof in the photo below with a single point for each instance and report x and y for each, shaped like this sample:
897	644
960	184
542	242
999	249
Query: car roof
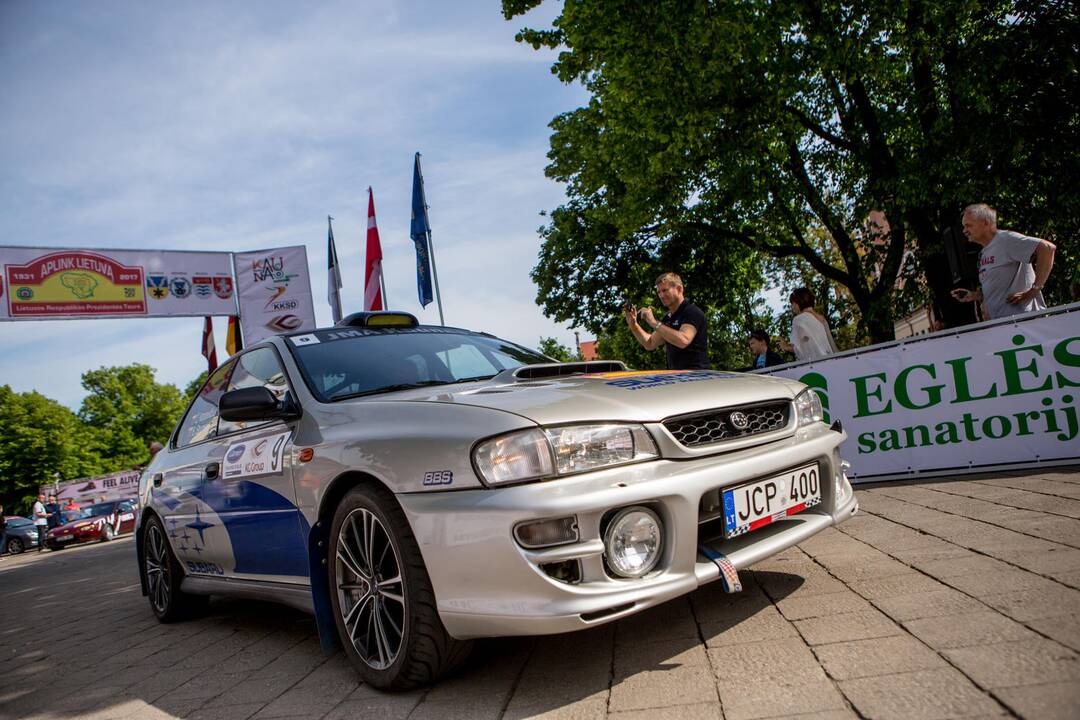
389	330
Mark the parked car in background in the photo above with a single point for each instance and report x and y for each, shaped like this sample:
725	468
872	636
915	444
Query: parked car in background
417	486
98	522
20	534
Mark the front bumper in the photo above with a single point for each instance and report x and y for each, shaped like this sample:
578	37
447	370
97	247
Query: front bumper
487	585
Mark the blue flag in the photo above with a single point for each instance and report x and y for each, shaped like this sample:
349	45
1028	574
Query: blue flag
419	230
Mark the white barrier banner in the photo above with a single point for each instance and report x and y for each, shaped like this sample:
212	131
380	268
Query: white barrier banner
123	485
1006	394
65	283
275	292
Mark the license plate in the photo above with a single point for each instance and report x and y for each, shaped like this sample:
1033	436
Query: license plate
761	502
65	538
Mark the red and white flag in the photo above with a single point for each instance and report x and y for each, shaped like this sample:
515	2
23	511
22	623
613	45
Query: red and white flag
208	350
373	277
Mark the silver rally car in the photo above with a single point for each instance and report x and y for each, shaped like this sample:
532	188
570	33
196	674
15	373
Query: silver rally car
416	487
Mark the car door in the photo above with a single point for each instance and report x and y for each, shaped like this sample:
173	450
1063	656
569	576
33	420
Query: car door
177	483
125	517
261	534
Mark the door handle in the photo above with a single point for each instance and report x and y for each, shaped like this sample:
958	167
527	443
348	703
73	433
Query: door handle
212	470
158	478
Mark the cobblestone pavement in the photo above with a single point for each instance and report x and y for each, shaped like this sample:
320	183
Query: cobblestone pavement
940	599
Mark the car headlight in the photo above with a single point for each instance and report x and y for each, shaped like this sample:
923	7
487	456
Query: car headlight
524	455
808	407
633	541
533	454
587	447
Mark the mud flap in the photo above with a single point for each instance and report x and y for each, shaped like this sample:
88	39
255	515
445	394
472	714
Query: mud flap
320	588
729	576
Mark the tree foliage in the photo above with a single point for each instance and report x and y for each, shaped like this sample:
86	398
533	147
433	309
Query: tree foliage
40	441
128	410
718	131
557	351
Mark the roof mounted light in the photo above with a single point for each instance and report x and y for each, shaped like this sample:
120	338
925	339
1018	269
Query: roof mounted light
379	318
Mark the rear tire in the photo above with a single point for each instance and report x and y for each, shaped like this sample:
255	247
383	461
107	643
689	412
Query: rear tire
163	577
383	602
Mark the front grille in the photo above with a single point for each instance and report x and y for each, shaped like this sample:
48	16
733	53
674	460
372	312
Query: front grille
716	425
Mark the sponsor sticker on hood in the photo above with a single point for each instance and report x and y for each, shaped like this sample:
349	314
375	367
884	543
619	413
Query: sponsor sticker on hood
259	457
644	379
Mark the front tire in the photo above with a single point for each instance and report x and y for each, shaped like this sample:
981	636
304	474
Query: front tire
384	605
15	546
163	578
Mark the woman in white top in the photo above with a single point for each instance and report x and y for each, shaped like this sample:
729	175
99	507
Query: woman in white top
811	337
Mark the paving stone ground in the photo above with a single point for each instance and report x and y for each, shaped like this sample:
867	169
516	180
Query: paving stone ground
940	599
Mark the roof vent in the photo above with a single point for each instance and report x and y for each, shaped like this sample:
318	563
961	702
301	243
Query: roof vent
550	370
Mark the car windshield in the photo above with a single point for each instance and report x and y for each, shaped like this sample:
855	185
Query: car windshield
99	509
350	362
18	522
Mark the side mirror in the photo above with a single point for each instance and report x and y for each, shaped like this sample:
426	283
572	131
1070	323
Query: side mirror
256	403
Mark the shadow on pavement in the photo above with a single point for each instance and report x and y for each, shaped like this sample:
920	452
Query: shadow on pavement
77	639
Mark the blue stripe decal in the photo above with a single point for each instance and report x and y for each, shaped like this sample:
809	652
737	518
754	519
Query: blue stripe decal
267	531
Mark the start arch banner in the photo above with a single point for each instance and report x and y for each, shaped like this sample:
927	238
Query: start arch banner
996	395
64	283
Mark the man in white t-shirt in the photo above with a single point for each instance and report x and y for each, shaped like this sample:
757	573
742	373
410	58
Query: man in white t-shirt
41	520
1008	282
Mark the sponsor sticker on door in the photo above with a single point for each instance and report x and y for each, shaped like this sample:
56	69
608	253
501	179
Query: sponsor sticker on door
255	457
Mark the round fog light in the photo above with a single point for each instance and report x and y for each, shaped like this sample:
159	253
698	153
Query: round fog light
633	540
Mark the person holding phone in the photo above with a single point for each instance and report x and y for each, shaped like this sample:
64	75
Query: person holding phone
683	331
1009	284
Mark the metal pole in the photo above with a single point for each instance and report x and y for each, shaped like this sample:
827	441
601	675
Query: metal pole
431	247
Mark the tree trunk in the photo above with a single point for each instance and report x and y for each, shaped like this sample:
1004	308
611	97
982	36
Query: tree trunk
878	319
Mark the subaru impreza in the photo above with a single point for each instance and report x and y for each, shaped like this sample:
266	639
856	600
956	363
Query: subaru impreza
417	487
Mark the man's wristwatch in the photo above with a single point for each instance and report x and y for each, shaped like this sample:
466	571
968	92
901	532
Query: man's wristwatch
1037	287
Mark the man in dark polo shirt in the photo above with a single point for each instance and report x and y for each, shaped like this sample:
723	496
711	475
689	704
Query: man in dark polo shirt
682	331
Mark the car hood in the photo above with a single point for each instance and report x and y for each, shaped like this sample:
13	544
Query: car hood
76	524
627	396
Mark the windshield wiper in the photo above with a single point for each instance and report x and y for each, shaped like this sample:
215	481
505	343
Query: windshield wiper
386	389
471	379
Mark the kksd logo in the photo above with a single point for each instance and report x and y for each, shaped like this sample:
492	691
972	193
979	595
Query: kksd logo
275	305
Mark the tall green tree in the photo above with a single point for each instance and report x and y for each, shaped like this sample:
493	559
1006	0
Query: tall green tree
40	441
720	130
127	409
556	350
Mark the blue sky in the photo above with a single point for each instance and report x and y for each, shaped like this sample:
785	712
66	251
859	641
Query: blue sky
240	126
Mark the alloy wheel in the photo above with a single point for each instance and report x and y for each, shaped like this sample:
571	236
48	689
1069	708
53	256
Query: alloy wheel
371	595
157	568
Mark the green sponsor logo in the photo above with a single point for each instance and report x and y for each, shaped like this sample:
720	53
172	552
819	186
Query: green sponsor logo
1024	369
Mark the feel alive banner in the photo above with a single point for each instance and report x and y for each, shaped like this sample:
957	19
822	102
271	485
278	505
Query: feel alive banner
64	283
274	287
1001	394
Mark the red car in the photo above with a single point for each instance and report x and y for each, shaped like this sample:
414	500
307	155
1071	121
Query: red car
101	521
